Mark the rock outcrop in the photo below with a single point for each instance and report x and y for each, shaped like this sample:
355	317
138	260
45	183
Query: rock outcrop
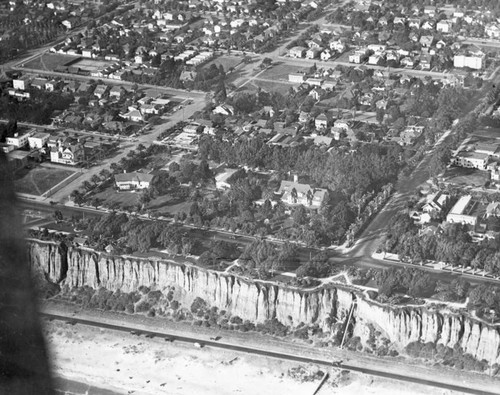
258	301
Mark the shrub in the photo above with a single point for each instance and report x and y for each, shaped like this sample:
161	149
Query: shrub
174	304
154	296
144	290
198	306
142	307
130	308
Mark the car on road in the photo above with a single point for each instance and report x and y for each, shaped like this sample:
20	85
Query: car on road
198	345
216	338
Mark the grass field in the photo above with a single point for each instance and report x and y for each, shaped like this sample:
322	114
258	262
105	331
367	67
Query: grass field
39	180
161	204
91	64
280	71
49	61
226	61
467	177
279	87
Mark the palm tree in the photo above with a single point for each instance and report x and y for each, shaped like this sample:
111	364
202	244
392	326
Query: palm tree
309	197
294	195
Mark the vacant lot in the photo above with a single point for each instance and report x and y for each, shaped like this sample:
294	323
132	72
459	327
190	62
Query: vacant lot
280	71
91	65
466	177
39	180
226	61
49	61
271	86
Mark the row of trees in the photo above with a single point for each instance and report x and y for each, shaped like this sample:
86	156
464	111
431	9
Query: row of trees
453	245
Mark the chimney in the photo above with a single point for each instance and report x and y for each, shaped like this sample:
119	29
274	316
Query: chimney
295	178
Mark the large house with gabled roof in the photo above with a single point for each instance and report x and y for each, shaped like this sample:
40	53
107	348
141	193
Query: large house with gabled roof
294	193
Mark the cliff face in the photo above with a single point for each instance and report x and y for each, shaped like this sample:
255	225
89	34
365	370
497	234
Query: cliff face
257	301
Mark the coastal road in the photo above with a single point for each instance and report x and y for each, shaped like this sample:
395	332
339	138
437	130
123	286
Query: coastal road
311	356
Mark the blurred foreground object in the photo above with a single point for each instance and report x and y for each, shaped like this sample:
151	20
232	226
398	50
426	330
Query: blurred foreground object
24	367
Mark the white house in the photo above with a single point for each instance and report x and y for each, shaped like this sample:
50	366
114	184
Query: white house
444	26
298	78
221	179
471	61
38	140
133	181
18	140
474	160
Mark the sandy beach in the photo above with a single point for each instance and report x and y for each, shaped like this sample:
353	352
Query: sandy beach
128	364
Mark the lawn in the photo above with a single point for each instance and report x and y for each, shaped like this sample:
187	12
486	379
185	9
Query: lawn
165	204
279	87
280	71
49	61
226	61
489	133
466	177
39	180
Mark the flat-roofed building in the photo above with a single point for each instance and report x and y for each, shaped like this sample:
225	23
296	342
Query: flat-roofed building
465	211
472	160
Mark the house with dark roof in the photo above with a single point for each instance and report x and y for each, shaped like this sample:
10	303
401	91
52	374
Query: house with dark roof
294	193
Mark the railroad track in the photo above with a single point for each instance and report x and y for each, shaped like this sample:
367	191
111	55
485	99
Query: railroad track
213	342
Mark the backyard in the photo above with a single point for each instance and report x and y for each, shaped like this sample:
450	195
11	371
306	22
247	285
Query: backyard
39	180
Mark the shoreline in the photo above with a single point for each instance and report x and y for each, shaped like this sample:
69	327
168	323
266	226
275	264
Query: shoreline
480	382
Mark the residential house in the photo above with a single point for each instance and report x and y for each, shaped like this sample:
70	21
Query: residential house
100	90
297	52
317	93
38	140
357	57
19	140
321	121
21	83
313	53
444	26
133	114
492	31
39	83
223	109
294	193
297	78
426	41
493	210
67	153
337	46
436	202
410	134
222	178
133	181
325	55
116	92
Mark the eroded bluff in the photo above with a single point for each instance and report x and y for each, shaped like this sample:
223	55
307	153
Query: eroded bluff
258	301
